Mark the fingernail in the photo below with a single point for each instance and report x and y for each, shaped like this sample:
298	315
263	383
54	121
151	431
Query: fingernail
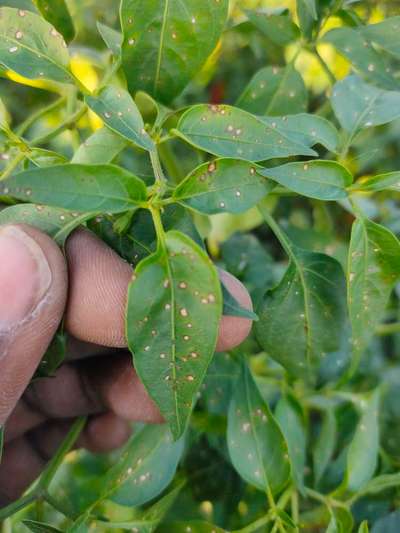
25	276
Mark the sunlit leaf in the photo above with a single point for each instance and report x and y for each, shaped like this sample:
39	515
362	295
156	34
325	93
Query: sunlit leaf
31	47
274	91
174	308
78	187
166	42
256	445
228	131
120	113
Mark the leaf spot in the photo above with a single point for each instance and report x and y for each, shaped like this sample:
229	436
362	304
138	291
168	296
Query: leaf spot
184	312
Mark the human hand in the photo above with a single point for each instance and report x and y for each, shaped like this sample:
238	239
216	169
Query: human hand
38	286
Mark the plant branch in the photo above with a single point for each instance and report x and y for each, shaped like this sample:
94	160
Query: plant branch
66	124
322	62
388	329
39	114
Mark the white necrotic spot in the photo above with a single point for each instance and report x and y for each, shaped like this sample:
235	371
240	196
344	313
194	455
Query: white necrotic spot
186	337
238	194
174	35
194	355
222	204
107	114
193	20
184	312
166	283
13	49
21	13
131	41
167	307
305	166
19	35
147	348
190	378
162	356
246	427
371	67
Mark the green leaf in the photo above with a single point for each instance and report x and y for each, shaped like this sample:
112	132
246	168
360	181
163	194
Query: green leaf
358	105
385	34
174	308
373	270
362	459
304	318
256	445
119	112
306	129
45	158
279	28
101	147
56	12
290	418
166	42
382	182
40	527
78	187
325	445
363	527
228	131
324	180
31	47
57	223
223	186
364	58
233	308
387	524
380	484
307	15
341	521
274	91
111	37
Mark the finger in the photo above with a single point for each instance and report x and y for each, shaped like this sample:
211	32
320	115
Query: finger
33	287
98	289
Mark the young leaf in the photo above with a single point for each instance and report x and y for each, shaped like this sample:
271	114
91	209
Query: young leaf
111	37
324	180
363	56
256	445
361	459
325	445
279	28
304	317
40	527
228	131
383	182
57	223
173	313
120	113
274	91
78	187
358	105
373	270
385	34
31	47
306	129
223	186
166	42
101	147
56	12
290	418
233	308
363	527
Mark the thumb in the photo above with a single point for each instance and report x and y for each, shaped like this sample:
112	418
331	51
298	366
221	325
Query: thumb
33	288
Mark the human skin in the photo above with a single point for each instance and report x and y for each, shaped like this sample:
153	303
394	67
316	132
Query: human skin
38	286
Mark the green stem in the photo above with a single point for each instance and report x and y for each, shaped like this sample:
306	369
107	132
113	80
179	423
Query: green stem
388	329
39	114
19	158
17	506
66	124
159	228
255	526
109	75
58	506
161	181
171	163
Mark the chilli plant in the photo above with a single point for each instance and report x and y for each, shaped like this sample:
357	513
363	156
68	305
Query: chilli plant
259	137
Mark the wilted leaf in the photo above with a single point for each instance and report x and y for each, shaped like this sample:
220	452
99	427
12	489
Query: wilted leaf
78	187
228	131
274	91
174	308
324	180
120	113
31	47
223	186
166	42
56	12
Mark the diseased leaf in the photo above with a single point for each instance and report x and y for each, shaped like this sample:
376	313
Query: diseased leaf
359	105
306	129
364	58
362	456
290	418
174	308
274	91
324	180
227	131
382	182
256	445
373	270
223	186
325	445
45	158
31	47
380	484
111	37
57	223
78	187
279	28
56	12
304	318
120	113
166	42
385	34
101	147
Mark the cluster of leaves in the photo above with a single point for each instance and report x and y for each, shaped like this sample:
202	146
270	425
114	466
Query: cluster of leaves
290	189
